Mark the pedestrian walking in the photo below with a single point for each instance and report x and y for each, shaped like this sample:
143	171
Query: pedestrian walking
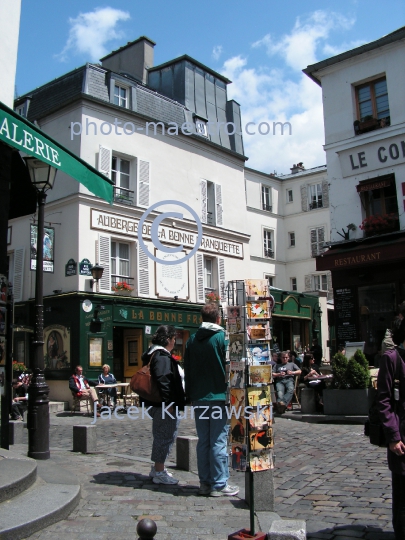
391	401
204	367
164	371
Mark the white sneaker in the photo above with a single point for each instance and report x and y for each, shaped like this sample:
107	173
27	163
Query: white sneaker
152	473
164	478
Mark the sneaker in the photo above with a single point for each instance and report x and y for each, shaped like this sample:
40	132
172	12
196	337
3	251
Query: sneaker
227	490
153	473
289	407
205	490
164	478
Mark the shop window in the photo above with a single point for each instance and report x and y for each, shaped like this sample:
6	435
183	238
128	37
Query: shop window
317	238
291	239
211	203
372	106
121	96
268	244
266	199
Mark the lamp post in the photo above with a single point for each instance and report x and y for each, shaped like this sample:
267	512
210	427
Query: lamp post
43	177
96	273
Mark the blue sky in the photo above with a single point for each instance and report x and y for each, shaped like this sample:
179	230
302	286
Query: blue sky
257	44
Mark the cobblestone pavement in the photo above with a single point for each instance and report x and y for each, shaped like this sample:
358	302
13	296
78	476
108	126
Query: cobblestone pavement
328	475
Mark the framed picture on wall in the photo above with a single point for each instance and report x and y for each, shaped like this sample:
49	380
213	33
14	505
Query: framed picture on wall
95	351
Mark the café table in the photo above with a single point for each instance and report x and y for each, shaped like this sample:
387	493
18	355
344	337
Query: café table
123	386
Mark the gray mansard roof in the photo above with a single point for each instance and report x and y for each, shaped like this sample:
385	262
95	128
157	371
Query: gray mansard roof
97	83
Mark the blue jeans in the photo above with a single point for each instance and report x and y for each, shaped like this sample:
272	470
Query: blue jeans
212	453
285	390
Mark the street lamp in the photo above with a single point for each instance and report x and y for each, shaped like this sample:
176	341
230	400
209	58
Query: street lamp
43	177
97	273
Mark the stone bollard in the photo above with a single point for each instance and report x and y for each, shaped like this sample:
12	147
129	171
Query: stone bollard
16	431
308	403
84	439
186	453
263	490
287	529
146	529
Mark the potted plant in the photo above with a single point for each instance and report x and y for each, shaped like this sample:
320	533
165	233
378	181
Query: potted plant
379	224
368	123
350	393
123	288
212	297
18	369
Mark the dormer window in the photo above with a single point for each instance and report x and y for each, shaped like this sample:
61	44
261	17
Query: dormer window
121	96
201	126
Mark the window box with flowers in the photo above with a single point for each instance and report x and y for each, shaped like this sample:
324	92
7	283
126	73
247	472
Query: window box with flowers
122	288
379	224
212	297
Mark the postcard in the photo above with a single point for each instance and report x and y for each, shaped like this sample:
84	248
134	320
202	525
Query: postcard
258	310
234	312
258	395
260	374
261	420
237	430
237	375
235	325
259	331
237	399
256	287
261	460
258	353
239	453
236	349
261	439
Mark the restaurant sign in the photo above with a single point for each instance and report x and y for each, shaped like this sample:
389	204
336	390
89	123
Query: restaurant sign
154	316
116	223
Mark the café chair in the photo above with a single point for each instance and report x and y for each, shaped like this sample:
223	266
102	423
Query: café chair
76	404
295	400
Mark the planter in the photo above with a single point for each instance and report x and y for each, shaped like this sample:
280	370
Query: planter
123	292
348	402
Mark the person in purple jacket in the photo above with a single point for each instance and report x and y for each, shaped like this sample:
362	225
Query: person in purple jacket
391	402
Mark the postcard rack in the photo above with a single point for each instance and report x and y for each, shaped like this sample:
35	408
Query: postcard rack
248	314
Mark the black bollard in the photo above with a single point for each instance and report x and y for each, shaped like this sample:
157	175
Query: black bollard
146	529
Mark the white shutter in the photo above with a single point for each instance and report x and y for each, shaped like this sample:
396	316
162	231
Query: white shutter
218	204
325	194
321	240
199	262
104	160
314	243
204	200
143	272
221	278
304	198
308	283
143	183
18	277
104	260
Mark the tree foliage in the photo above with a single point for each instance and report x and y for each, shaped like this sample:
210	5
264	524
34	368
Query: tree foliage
353	373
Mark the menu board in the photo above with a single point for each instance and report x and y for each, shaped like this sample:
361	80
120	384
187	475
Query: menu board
345	313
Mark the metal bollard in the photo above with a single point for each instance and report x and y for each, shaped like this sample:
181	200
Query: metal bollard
146	529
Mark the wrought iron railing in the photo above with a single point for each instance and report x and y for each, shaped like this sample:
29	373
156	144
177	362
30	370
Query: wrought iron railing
124	196
115	278
267	207
269	253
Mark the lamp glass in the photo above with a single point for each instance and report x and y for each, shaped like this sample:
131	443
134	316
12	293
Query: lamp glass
42	175
97	272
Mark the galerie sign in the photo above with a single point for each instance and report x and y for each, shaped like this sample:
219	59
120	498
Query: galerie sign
115	223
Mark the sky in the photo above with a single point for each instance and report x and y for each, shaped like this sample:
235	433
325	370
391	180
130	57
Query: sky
260	45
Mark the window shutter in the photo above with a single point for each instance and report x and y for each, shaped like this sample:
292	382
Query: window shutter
330	289
304	198
104	260
221	278
325	194
143	184
204	200
321	240
143	272
18	274
199	261
218	204
314	243
308	283
104	161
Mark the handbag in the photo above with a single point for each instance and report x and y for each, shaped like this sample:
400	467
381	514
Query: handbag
143	384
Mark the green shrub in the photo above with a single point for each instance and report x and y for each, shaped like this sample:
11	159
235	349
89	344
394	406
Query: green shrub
339	368
353	373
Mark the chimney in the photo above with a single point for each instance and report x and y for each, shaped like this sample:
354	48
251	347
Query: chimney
297	168
133	59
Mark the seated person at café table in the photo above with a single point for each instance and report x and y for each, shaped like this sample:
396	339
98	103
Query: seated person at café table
309	376
283	375
19	403
107	378
80	387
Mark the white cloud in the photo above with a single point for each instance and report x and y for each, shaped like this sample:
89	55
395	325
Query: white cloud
298	48
89	33
217	51
333	50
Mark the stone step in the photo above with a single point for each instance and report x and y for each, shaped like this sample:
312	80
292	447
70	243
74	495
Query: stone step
51	498
17	473
58	406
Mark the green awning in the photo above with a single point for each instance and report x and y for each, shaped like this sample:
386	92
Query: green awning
18	132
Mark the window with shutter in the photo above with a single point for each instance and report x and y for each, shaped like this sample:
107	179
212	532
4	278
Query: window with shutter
268	250
204	200
18	275
218	205
308	283
104	260
104	160
143	272
317	241
304	198
325	194
199	261
143	184
221	278
315	199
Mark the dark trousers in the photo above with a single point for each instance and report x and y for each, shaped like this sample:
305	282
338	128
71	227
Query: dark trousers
398	505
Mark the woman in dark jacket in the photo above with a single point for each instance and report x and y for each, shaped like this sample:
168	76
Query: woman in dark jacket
309	372
164	370
391	401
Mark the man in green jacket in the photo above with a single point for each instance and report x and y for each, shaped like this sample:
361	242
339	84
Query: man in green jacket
204	369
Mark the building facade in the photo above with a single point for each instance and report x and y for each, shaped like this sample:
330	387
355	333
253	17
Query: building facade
365	148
